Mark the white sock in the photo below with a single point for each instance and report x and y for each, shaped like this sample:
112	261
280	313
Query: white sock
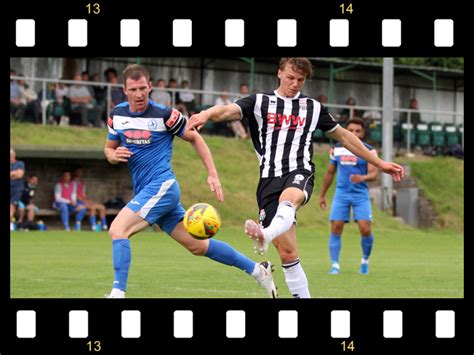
282	222
296	279
364	261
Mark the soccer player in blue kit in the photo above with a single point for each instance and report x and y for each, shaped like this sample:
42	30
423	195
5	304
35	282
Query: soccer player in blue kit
141	133
352	190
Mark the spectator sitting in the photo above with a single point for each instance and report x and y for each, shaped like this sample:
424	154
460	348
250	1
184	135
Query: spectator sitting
17	109
323	99
65	200
415	117
86	77
100	93
117	95
244	92
237	126
60	104
26	202
109	73
82	102
160	96
173	84
187	98
17	171
29	100
346	113
88	203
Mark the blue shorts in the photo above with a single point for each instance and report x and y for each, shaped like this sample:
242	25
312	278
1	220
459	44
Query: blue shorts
159	202
21	206
342	203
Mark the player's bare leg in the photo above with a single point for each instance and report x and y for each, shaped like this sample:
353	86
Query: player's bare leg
30	215
294	274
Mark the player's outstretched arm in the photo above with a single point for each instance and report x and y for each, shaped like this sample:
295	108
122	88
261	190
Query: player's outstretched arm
115	153
218	113
354	144
200	146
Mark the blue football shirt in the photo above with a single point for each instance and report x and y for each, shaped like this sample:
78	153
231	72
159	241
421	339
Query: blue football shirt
347	165
149	136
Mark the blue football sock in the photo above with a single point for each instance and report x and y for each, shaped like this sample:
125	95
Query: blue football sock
80	215
64	215
122	256
225	254
104	221
334	247
92	219
366	243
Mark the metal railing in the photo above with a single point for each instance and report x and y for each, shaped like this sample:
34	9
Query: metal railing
174	92
109	86
409	112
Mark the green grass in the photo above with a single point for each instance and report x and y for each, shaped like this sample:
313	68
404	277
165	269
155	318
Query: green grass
442	182
28	133
79	264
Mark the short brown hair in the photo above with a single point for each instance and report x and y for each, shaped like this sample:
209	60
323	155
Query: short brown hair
356	120
298	64
135	72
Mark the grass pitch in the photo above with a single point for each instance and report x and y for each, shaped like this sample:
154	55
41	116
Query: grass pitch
404	264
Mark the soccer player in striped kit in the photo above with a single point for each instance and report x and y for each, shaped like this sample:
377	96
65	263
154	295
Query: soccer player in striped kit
281	124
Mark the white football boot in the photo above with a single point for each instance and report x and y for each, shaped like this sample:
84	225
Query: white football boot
252	229
266	278
115	293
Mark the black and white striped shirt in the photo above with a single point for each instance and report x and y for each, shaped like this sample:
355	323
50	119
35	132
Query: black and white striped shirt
282	130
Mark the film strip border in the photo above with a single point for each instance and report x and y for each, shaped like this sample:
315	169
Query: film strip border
235	33
235	324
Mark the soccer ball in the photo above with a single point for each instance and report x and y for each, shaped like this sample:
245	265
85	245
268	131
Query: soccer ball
202	221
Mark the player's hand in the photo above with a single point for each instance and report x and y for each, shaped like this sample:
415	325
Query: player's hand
215	186
122	154
198	120
393	169
322	203
355	178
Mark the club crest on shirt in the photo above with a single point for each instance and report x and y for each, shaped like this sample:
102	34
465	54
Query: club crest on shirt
297	179
152	124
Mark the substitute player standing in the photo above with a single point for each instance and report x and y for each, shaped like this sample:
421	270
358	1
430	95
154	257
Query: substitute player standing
281	124
352	190
141	133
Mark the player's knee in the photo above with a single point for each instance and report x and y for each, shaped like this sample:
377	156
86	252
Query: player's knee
287	255
198	249
117	233
365	230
